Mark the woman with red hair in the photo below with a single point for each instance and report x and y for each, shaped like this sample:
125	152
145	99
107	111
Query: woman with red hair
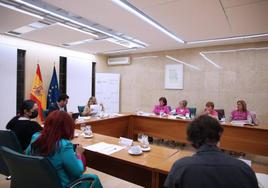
54	142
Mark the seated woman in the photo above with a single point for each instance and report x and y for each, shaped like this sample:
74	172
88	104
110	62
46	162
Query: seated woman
162	107
209	110
89	108
22	125
241	113
54	142
182	109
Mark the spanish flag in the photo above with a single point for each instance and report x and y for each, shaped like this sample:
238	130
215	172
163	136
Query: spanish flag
38	94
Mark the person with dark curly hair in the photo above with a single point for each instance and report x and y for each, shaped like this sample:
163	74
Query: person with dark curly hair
209	167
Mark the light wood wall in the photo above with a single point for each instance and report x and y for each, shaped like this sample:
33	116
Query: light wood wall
243	76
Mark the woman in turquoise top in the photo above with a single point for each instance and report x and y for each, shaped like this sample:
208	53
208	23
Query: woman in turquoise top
54	142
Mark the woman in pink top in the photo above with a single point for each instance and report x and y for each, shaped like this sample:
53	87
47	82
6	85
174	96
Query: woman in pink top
182	110
162	107
209	110
241	113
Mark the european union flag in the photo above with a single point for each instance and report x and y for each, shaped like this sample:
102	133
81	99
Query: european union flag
53	91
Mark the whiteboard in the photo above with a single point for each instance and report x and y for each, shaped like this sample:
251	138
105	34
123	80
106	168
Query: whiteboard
79	81
107	91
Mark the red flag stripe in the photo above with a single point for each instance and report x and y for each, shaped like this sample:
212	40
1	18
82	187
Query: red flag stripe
40	110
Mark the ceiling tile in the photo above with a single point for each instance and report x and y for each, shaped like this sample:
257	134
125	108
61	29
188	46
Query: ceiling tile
97	47
56	34
191	19
235	3
12	19
249	19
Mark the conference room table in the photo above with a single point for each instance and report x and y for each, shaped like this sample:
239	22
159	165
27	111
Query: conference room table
246	139
138	169
149	169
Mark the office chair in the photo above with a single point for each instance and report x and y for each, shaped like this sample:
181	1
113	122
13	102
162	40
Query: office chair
8	139
221	113
45	113
192	112
34	171
80	109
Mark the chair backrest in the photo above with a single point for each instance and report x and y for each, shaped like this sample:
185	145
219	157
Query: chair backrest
221	113
30	171
192	112
8	139
45	113
80	109
253	115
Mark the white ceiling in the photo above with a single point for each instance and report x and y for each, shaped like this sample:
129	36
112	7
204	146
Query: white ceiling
56	34
12	19
191	20
97	46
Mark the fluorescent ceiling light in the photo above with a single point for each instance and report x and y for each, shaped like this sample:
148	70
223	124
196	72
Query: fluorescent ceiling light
234	50
22	11
78	42
182	62
145	57
209	60
229	38
127	6
124	43
119	51
38	25
72	21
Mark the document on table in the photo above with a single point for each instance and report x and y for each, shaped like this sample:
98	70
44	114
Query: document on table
104	148
262	180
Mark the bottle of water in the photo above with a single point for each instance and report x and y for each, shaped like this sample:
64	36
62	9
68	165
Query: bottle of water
249	119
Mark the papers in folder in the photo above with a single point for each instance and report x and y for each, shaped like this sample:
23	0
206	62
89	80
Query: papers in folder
104	148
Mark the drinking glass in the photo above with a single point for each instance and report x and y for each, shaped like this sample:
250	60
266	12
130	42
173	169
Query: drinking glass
83	127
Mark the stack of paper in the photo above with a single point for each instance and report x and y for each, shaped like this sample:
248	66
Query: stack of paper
104	148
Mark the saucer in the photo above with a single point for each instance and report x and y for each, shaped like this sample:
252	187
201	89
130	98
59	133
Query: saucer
145	149
87	136
131	152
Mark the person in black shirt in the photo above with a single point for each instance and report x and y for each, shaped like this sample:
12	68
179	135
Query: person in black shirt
22	125
209	167
60	104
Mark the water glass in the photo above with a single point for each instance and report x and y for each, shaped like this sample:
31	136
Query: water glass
82	127
161	113
88	130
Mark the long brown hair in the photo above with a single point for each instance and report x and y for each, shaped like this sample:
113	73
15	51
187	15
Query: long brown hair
244	105
58	125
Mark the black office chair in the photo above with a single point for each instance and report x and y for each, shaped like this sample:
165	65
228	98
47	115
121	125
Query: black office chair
8	139
221	113
34	171
192	112
80	109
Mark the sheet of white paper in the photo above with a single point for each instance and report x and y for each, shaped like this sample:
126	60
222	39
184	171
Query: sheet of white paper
262	180
248	162
104	148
